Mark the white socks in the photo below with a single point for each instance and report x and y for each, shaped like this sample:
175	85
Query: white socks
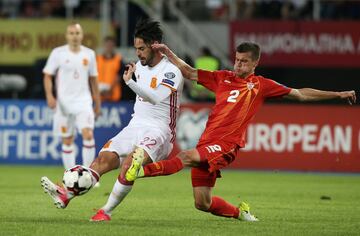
68	155
88	152
117	195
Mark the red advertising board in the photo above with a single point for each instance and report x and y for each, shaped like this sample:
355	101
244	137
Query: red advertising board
301	43
288	137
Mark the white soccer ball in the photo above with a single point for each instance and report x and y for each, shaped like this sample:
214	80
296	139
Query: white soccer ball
77	180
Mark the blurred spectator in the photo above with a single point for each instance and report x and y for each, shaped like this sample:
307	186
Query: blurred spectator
28	9
288	11
9	8
245	9
46	10
206	61
340	10
200	10
53	8
88	9
205	10
109	65
306	11
219	9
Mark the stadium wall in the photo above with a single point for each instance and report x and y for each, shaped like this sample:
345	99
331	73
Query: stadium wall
281	137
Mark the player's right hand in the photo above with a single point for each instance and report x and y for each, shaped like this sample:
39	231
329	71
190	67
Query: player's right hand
129	71
350	96
51	101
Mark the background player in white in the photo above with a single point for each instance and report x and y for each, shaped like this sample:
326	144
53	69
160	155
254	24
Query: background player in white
151	131
73	67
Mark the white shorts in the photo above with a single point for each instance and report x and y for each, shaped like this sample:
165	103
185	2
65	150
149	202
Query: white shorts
66	125
154	140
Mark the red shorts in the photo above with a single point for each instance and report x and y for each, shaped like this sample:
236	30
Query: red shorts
214	156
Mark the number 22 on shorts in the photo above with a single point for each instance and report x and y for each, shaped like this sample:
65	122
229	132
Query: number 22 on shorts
148	142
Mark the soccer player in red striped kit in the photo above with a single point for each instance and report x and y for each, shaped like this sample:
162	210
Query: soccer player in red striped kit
239	95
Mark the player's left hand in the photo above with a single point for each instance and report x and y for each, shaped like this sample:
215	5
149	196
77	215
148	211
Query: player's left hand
129	71
350	96
161	48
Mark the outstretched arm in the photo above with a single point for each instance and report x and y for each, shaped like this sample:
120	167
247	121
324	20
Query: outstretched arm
188	71
309	94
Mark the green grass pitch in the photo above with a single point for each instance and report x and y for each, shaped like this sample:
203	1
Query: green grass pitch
286	204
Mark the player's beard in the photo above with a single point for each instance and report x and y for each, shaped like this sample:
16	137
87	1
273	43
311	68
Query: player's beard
149	60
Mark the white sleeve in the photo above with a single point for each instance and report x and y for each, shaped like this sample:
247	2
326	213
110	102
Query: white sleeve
93	65
154	96
52	63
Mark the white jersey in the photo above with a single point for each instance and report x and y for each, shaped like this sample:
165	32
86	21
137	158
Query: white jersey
72	72
166	112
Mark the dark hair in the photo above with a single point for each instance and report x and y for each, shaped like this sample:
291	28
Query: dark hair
206	51
250	47
148	30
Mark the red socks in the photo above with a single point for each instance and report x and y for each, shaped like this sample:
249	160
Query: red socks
220	207
165	167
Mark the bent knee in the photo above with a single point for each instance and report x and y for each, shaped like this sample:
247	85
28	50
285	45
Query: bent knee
101	160
68	141
87	134
105	163
189	157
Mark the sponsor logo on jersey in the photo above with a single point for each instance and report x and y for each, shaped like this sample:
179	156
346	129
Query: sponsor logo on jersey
168	82
250	85
169	75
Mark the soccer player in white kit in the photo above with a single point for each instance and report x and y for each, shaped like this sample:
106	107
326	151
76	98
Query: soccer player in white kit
151	131
73	67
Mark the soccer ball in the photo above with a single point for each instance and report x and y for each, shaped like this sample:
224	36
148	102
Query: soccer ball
77	180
